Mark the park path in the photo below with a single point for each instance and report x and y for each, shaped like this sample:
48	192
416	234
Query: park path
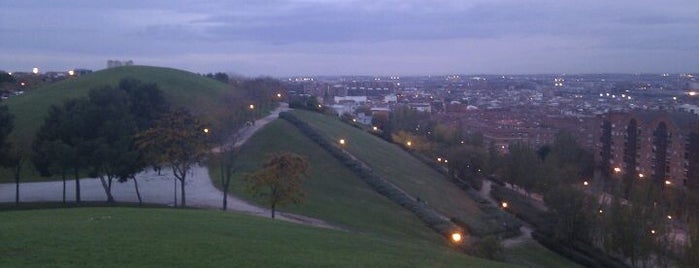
159	188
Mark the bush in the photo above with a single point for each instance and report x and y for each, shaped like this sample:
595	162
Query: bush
490	248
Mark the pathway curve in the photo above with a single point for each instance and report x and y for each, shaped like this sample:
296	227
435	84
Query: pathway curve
159	189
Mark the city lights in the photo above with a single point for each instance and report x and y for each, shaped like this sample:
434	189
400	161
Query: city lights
586	183
617	170
71	73
667	182
640	175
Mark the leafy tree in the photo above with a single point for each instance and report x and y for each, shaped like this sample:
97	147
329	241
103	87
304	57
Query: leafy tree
225	134
571	213
109	136
59	145
521	166
179	140
490	248
9	156
279	180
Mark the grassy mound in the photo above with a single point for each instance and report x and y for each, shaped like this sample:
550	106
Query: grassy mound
181	88
127	237
333	192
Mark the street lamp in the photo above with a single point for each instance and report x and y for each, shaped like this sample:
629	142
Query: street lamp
617	170
375	128
206	130
504	204
640	175
409	143
342	142
586	183
252	106
456	237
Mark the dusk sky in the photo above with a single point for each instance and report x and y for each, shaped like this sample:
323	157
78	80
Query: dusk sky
362	37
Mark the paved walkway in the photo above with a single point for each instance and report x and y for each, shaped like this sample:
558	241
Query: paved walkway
158	189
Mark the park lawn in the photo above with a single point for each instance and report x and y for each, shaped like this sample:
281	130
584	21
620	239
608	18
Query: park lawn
533	254
399	167
146	237
333	192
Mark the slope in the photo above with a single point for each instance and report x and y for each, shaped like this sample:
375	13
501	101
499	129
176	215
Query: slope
181	88
126	237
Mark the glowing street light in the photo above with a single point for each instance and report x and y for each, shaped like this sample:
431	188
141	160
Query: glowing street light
206	130
446	161
439	159
617	170
279	95
35	70
409	143
601	211
667	182
252	106
342	141
71	72
456	237
652	231
586	183
375	128
669	217
504	204
640	175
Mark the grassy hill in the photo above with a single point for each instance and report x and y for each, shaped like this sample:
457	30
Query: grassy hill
181	88
128	237
335	194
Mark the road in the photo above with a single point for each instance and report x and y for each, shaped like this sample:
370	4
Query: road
159	189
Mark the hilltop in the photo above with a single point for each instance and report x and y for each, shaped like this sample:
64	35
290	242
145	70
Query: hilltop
181	88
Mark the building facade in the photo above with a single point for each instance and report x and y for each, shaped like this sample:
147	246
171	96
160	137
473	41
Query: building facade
652	145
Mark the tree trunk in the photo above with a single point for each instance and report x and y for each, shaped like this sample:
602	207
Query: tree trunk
63	177
16	188
184	203
225	193
107	189
138	193
77	185
175	191
274	206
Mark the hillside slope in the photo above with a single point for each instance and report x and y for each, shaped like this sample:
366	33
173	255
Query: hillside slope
181	88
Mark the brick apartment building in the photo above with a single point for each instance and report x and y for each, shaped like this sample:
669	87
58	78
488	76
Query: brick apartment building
655	145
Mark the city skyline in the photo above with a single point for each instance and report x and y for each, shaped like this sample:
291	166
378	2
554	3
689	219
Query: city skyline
316	37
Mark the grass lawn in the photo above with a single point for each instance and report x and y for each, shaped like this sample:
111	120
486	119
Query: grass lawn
533	254
143	237
397	166
333	193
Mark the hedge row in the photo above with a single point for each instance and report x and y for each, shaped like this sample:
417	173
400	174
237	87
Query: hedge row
425	213
494	221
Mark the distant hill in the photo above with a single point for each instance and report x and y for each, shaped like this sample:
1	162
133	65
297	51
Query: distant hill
181	88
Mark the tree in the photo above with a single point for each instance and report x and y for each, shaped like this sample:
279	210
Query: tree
279	180
571	213
521	166
179	140
8	151
59	145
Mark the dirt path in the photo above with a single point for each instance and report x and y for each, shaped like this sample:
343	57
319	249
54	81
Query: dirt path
158	189
525	229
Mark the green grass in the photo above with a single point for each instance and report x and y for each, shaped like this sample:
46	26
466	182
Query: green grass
397	166
181	88
333	192
130	237
533	254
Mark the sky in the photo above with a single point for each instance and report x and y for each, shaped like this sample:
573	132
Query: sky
355	37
